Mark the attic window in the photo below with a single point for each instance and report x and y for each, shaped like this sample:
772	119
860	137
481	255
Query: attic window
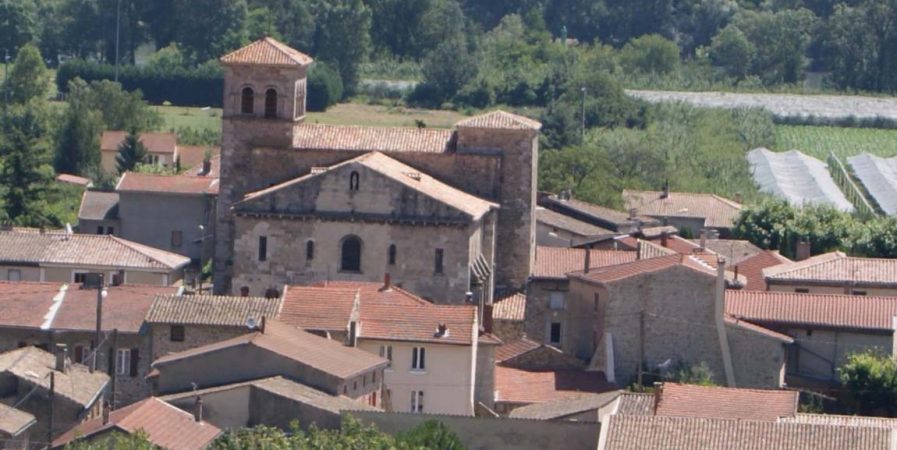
353	181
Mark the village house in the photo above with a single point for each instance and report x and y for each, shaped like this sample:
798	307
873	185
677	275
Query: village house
98	213
835	273
33	255
687	211
444	211
161	148
163	425
15	428
554	229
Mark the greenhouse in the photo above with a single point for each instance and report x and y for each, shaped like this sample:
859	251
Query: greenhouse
879	176
796	177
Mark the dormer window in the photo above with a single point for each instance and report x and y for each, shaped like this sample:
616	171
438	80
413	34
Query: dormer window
353	181
271	104
246	101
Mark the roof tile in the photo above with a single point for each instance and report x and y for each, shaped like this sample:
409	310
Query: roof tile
813	310
267	52
155	142
837	268
521	386
167	184
511	308
369	139
556	262
718	211
500	120
687	400
211	310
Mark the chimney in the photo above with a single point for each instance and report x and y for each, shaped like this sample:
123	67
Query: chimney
802	251
468	297
665	193
262	327
703	239
387	282
658	394
441	330
587	260
61	351
197	409
487	318
663	239
206	167
633	213
106	408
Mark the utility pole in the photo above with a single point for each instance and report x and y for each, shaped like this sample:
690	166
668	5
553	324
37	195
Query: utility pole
97	337
50	400
641	346
202	253
117	34
583	125
113	372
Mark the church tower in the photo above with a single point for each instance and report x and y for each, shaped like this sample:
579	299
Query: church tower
264	101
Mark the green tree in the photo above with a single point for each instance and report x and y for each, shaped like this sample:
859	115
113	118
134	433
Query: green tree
131	152
119	109
650	54
115	441
780	39
343	38
766	224
870	380
29	77
78	135
207	29
444	81
584	171
26	172
18	24
732	51
431	434
876	239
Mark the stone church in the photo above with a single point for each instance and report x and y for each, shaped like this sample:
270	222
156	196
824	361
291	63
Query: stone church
443	213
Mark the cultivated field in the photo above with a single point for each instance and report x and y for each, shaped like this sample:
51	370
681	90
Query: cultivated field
819	141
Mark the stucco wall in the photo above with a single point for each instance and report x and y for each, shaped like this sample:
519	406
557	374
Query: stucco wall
225	409
758	361
150	219
28	273
818	352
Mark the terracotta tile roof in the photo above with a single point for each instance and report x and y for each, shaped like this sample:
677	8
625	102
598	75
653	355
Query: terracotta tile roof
556	262
398	172
681	433
124	307
500	120
837	268
25	304
304	348
309	136
211	310
96	205
813	310
841	420
73	179
155	142
371	291
14	421
714	402
267	52
567	223
191	156
167	184
418	324
33	366
752	268
674	243
521	386
513	349
596	214
512	308
318	308
165	426
623	271
84	250
718	212
735	322
735	250
635	404
489	339
559	409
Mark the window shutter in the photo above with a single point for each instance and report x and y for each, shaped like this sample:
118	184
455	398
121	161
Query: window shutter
135	358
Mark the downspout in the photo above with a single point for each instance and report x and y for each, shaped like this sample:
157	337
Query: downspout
720	310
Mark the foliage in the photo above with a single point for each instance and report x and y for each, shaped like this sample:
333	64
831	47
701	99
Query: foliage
325	87
820	141
18	24
858	45
732	51
29	78
78	134
650	54
877	239
207	29
198	136
343	38
870	380
699	374
119	109
156	169
131	152
25	171
431	434
115	441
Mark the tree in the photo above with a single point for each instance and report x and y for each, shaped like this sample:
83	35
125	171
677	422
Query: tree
780	39
29	77
584	171
732	51
765	225
650	54
431	434
131	152
207	29
25	172
115	441
877	239
78	135
444	81
870	380
325	87
17	24
343	38
119	109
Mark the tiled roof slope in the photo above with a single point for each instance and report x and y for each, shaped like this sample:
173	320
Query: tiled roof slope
567	223
511	308
623	271
267	52
191	156
689	433
522	386
211	310
685	400
718	211
372	139
513	349
836	267
556	262
167	184
752	268
595	212
14	421
500	120
33	366
318	308
418	324
564	407
735	250
842	420
165	426
84	250
214	172
635	404
25	304
155	142
813	310
738	323
97	205
73	179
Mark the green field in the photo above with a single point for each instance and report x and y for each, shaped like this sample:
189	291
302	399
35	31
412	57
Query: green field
819	141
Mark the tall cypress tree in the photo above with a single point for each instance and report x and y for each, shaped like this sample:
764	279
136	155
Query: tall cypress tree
130	153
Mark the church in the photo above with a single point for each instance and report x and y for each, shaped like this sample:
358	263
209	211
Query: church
445	213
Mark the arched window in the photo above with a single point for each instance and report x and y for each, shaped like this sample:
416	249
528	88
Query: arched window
350	260
270	104
246	101
392	254
310	250
353	181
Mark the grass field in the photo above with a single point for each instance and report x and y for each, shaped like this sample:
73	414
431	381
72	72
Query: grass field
342	114
820	141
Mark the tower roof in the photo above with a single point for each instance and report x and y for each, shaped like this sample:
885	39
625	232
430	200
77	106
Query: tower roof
267	52
499	119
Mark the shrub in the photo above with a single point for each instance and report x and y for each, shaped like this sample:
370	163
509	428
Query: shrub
325	87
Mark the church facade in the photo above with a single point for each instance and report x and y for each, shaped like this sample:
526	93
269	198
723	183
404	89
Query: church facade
445	213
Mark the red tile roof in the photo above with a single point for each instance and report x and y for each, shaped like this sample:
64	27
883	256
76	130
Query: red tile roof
191	157
736	322
512	308
72	179
500	120
165	426
556	262
836	268
155	142
318	308
418	324
167	184
267	52
713	402
211	310
513	349
717	211
369	139
752	268
24	304
813	310
521	386
623	271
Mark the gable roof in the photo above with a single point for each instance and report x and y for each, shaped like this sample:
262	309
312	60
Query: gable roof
644	266
499	119
523	386
735	250
511	308
33	365
836	268
307	349
559	409
635	404
757	329
84	250
752	268
688	400
14	421
813	310
567	223
512	349
73	179
557	262
318	308
211	310
842	420
267	52
167	184
407	176
596	214
165	426
28	304
155	142
717	211
308	136
97	205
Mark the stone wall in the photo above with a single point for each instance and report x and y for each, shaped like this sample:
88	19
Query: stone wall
758	360
484	387
539	315
194	336
150	219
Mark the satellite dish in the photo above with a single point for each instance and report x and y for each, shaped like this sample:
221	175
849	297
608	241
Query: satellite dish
250	323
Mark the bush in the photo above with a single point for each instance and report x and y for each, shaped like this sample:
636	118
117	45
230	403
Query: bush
650	54
325	87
